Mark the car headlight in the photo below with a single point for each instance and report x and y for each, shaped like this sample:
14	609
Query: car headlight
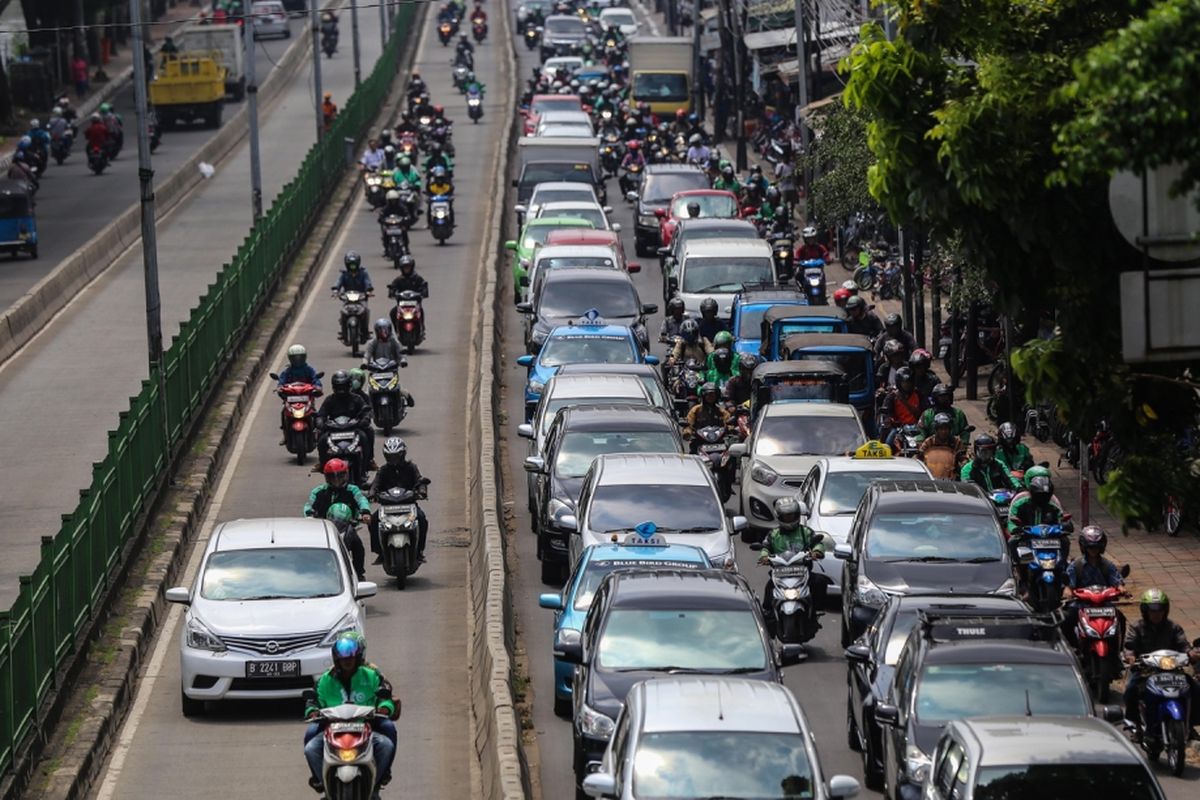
536	387
916	764
199	637
867	593
556	508
349	622
538	337
1009	587
647	219
761	473
725	560
593	723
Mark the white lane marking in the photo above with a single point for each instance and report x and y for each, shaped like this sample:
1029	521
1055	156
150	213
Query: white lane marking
167	636
648	15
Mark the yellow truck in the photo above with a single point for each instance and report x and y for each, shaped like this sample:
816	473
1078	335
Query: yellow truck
661	73
189	86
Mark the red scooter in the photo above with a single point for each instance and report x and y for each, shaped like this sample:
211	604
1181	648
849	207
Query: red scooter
1098	634
298	412
408	318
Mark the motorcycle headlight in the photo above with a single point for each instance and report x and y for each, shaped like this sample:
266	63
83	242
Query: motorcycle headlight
761	473
791	594
349	622
916	764
593	723
867	593
815	280
1048	563
1009	587
199	637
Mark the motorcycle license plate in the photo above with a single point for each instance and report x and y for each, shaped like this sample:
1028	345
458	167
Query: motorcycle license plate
789	572
711	448
342	437
395	231
397	511
299	398
1101	612
1169	680
273	669
1044	544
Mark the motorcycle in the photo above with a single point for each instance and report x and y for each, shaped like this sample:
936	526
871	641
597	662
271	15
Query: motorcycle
395	238
475	105
97	159
791	616
1098	636
908	441
711	444
479	30
60	148
408	319
374	190
685	385
154	131
1042	551
441	217
610	155
783	255
1001	499
399	530
407	145
342	438
1164	707
445	33
533	38
388	405
353	323
631	181
459	77
299	411
349	769
329	41
813	281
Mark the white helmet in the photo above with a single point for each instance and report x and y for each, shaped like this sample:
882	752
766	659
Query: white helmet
392	195
808	232
56	111
34	124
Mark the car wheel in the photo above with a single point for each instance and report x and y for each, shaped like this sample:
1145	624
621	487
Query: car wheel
872	776
190	707
551	572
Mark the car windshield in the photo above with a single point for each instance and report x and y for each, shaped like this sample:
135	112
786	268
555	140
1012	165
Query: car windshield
271	573
573	298
750	321
681	765
709	274
575	261
560	350
952	691
711	205
536	234
596	571
843	490
700	640
807	436
566	25
673	507
592	214
577	450
661	87
618	18
661	187
544	104
543	196
934	537
1071	781
854	363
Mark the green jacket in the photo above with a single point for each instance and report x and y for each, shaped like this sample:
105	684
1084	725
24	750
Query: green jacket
411	177
728	186
364	689
958	421
1018	461
802	538
323	496
1023	512
993	476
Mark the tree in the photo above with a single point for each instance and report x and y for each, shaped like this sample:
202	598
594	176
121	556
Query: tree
977	119
839	159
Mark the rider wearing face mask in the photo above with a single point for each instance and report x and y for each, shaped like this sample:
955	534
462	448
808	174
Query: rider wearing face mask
705	414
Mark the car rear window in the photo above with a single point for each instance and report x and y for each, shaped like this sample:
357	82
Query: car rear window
672	507
934	537
578	449
661	187
1065	782
953	691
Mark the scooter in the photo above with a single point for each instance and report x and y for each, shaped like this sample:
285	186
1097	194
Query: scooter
388	405
459	76
329	42
630	181
1042	551
685	385
1165	707
812	282
1098	636
475	105
399	531
445	33
299	410
783	255
352	325
374	189
349	769
792	618
409	320
342	438
60	148
1001	499
97	159
441	217
479	30
533	37
395	238
710	443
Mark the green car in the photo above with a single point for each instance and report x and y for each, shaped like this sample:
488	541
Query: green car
534	235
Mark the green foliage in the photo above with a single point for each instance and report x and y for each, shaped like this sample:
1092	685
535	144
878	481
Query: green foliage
839	159
995	119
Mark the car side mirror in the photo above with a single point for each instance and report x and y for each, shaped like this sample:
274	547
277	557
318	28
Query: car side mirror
663	251
858	653
551	600
273	376
511	244
843	551
616	227
520	209
525	360
607	209
649	308
365	589
568	646
790	654
535	464
843	786
737	450
600	784
569	523
179	594
887	714
524	308
740	523
633	268
1110	713
651	360
525	430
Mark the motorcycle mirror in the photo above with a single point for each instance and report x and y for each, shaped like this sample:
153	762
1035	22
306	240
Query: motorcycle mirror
605	209
757	546
273	376
858	653
631	197
1125	571
1110	713
320	374
616	227
791	654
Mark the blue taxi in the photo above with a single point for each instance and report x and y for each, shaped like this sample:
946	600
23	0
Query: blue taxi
570	606
587	340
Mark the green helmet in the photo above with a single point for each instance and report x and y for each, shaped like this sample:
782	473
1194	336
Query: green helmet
405	162
723	339
1154	600
357	378
1035	472
105	108
339	514
349	644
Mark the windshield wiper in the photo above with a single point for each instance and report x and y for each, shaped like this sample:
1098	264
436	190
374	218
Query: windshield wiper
919	560
268	597
981	560
716	287
672	670
736	670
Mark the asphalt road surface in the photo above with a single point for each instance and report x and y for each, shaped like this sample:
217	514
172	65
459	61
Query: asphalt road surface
84	366
73	204
418	636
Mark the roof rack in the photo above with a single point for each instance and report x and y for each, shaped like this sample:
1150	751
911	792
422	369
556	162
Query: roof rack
949	625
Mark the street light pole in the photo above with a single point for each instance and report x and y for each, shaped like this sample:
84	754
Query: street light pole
354	36
802	66
316	50
383	27
252	114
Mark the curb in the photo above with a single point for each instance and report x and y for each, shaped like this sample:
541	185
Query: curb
37	307
495	728
181	509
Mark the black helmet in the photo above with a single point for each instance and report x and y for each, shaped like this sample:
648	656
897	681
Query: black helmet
689	329
1093	536
383	329
727	171
709	388
984	443
1041	489
722	360
675	305
941	419
787	510
407	261
340	382
904	375
693	209
747	362
893	320
395	451
708	306
1008	434
920	358
942	391
352	260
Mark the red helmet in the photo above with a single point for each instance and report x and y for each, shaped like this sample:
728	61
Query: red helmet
840	297
438	109
635	145
337	472
680	114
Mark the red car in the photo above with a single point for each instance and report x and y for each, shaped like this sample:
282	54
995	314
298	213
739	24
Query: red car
713	203
584	236
549	102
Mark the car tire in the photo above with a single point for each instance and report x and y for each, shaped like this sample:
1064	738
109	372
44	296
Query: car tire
846	640
189	706
872	778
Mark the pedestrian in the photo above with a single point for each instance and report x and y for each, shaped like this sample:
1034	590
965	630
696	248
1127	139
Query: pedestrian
785	176
329	109
79	74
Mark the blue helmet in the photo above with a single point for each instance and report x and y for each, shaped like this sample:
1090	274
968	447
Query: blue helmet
438	172
350	644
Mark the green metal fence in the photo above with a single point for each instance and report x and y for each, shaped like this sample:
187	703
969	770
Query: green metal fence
77	565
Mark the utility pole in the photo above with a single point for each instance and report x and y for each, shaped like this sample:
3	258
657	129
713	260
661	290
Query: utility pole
316	50
697	63
740	83
354	36
802	103
146	183
252	114
383	27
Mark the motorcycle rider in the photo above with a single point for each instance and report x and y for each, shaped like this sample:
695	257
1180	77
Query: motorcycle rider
756	185
96	134
738	388
336	489
343	519
406	174
386	346
439	185
394	205
706	413
633	157
464	46
416	88
478	15
770	209
298	370
690	345
891	360
1012	454
942	398
344	403
438	158
793	535
902	403
710	323
40	138
329	27
352	680
59	126
397	471
923	377
720	367
1037	505
114	123
698	152
893	331
473	85
669	331
727	180
373	157
405	125
985	471
860	319
943	436
1154	631
329	109
358	379
841	296
409	280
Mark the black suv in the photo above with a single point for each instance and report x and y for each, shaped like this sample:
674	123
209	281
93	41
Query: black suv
659	185
968	663
646	624
871	663
912	537
577	435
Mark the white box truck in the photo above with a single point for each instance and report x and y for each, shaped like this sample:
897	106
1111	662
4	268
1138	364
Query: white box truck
226	40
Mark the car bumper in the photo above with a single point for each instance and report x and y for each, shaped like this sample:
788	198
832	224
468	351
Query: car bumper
758	500
271	29
220	676
646	234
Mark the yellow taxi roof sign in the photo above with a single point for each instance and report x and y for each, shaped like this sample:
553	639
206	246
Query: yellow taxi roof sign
873	449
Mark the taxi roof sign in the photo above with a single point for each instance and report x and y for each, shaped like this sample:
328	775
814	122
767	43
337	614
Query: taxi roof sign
873	449
590	318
